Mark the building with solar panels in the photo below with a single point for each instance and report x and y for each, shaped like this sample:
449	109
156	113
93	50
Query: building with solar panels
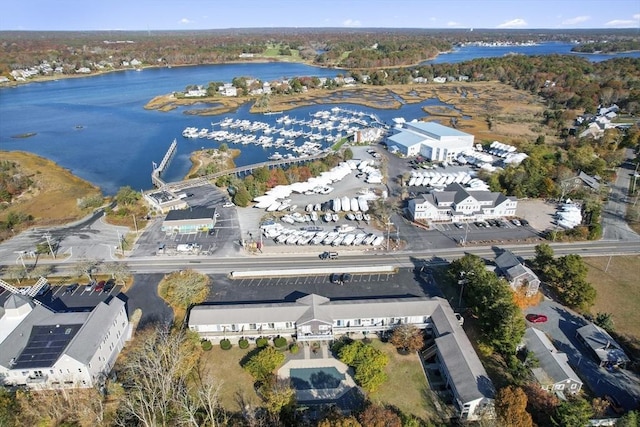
43	349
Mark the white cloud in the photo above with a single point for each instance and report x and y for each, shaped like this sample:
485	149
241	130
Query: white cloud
514	23
576	20
185	21
350	23
625	23
453	24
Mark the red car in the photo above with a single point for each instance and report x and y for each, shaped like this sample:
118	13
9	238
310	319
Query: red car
100	286
536	318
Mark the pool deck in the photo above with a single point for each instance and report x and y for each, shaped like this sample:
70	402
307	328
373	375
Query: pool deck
326	361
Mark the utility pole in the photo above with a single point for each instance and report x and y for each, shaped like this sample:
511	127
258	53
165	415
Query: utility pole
48	237
120	241
135	223
389	224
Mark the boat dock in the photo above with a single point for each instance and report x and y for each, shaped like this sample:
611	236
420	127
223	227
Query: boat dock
157	170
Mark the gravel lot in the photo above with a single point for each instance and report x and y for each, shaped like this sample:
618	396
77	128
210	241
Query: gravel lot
538	212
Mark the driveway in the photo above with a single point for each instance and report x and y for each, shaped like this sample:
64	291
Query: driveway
561	327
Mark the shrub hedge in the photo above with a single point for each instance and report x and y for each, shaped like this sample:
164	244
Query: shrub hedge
243	344
280	342
262	342
206	345
225	344
294	349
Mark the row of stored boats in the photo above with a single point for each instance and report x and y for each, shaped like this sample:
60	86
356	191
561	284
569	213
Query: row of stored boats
339	237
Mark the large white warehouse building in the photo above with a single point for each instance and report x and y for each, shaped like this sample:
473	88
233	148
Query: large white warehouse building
432	141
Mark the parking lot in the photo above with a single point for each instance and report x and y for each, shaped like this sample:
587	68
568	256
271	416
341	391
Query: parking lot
72	297
404	282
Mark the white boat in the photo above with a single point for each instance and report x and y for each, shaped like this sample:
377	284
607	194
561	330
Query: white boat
335	217
346	203
370	238
359	216
377	241
283	237
426	180
314	216
317	207
293	238
366	217
350	216
354	204
275	156
418	181
348	239
337	204
306	218
330	238
345	228
327	217
362	204
412	181
288	219
309	207
273	206
283	207
338	240
359	238
318	238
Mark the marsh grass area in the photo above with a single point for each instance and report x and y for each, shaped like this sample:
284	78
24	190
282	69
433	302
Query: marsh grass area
489	110
210	161
618	291
53	197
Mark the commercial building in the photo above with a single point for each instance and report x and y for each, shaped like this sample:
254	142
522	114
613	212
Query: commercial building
432	141
189	220
317	318
164	201
43	349
457	204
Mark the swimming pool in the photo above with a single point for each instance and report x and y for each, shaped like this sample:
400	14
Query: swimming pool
316	378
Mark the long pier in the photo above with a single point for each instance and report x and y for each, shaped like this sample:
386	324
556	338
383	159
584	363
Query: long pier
240	171
157	171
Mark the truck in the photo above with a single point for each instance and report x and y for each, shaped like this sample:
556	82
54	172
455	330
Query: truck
187	247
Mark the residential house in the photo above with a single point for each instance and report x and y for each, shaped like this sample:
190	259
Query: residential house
457	204
607	352
431	140
439	79
44	349
552	371
228	90
517	274
189	220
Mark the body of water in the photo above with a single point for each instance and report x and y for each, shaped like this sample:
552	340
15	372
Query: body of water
97	126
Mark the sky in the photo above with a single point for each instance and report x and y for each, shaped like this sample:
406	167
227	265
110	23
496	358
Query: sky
78	15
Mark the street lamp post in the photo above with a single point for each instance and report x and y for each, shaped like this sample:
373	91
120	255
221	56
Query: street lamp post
389	224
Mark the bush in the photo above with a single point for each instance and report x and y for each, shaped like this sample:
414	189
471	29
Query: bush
243	344
206	345
294	349
280	342
262	342
225	344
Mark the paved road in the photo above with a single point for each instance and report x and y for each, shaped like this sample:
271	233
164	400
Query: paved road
614	224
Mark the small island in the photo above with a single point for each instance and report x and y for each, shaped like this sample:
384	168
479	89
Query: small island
209	161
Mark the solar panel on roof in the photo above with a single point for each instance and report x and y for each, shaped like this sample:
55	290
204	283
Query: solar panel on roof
46	344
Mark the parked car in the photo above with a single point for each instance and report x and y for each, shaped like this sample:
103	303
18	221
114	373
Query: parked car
72	287
228	205
329	255
536	318
524	222
44	289
335	278
516	222
458	225
89	286
108	286
100	286
346	277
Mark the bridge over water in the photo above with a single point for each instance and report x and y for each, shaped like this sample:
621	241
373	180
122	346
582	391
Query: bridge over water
239	171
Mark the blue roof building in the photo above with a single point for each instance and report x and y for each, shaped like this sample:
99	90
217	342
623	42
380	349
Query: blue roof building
432	141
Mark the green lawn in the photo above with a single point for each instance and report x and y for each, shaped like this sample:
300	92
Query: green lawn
224	365
407	388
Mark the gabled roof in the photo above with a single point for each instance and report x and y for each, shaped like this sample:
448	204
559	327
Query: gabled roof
435	130
605	347
507	260
554	366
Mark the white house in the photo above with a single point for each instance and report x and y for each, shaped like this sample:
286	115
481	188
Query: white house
553	373
431	140
457	204
228	90
43	349
317	318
